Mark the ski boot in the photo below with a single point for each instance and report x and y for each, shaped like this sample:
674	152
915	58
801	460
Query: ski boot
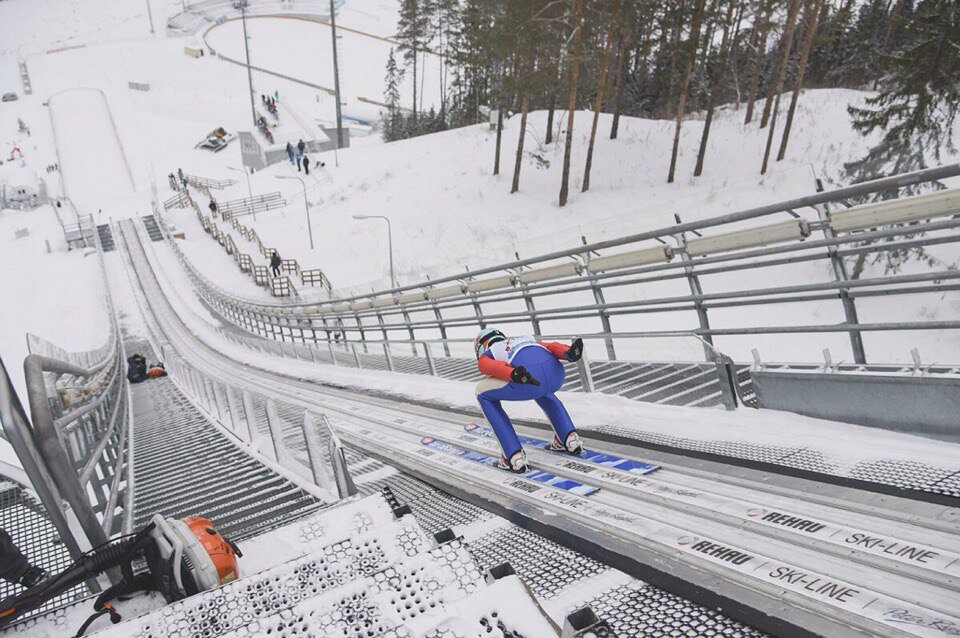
572	446
517	463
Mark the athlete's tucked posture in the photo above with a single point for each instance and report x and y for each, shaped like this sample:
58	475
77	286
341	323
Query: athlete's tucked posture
524	369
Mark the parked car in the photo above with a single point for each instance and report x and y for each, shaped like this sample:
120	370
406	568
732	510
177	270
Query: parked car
9	97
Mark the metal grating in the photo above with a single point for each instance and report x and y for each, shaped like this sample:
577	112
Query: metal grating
184	465
908	475
550	569
25	519
640	610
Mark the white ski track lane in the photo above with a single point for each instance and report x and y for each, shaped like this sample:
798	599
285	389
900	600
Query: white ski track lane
914	618
920	560
931	557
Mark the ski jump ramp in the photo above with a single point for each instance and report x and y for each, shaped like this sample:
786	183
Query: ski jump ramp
83	128
788	556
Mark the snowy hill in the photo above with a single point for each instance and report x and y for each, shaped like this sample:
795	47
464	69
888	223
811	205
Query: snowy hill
473	220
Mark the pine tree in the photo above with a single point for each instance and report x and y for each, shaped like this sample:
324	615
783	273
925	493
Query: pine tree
716	71
811	29
685	83
576	39
412	31
391	96
918	98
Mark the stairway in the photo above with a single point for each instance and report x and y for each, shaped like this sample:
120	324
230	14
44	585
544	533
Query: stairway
153	229
184	466
106	237
363	568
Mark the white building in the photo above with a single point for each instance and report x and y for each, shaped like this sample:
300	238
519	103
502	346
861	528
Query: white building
21	188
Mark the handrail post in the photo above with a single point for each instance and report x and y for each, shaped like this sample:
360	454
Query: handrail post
61	470
250	416
232	408
356	356
386	351
314	447
276	429
727	377
586	375
431	364
338	460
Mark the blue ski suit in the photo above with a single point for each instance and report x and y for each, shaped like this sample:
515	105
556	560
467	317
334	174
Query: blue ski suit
543	364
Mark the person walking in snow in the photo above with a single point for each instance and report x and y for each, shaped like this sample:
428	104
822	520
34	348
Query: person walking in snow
183	180
301	147
524	369
213	207
306	164
275	263
290	153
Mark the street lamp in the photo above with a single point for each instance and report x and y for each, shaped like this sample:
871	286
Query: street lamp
393	279
305	201
253	210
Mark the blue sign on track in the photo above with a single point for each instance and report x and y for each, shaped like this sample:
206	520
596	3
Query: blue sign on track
598	458
574	487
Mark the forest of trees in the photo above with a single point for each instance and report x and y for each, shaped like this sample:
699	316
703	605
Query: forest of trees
668	58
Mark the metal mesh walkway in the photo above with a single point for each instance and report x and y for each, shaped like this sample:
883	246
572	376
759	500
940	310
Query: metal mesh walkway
184	465
25	519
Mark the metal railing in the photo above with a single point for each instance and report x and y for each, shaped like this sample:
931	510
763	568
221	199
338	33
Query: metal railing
249	205
300	440
75	450
523	294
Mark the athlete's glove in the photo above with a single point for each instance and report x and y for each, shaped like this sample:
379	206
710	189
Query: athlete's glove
575	351
520	375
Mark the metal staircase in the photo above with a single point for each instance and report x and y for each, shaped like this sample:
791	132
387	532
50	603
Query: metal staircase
184	465
153	228
106	237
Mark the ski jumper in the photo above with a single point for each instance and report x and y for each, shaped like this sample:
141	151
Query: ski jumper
542	361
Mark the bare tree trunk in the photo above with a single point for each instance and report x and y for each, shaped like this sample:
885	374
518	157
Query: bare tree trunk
607	50
623	47
523	132
685	83
891	18
783	62
674	47
553	104
645	53
414	88
572	104
715	83
733	62
763	17
812	15
788	41
500	91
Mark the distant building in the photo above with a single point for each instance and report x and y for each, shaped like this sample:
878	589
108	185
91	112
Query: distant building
21	188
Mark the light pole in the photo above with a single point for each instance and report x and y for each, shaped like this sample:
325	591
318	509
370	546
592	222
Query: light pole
249	192
336	76
393	279
306	203
246	48
150	17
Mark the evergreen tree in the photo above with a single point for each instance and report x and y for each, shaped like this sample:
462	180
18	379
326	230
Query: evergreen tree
393	123
413	32
918	98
